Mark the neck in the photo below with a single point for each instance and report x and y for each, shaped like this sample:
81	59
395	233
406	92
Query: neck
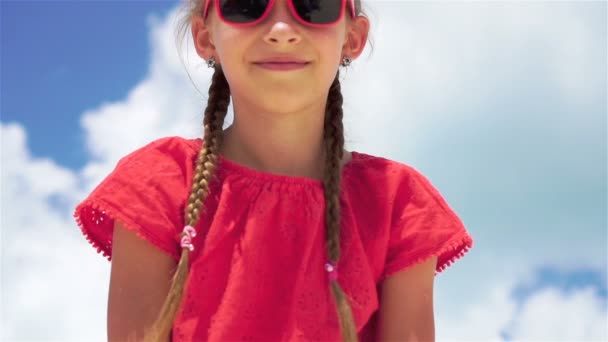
280	143
260	150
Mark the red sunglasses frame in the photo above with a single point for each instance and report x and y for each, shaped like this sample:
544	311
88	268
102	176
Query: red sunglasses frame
292	8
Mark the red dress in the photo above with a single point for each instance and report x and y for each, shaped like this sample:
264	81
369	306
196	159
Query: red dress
256	272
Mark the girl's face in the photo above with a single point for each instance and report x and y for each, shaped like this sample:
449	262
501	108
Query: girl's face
240	49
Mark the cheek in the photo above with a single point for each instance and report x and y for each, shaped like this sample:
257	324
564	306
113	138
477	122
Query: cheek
329	44
225	37
224	43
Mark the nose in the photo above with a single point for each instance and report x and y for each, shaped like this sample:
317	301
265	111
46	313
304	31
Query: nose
283	26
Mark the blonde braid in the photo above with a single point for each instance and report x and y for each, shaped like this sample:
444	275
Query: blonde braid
334	145
215	113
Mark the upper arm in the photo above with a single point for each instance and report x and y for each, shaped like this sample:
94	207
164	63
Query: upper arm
406	308
139	282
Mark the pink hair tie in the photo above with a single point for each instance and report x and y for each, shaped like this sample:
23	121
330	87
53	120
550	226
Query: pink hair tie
187	239
332	269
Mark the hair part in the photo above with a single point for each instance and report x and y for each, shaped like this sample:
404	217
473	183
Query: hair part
205	173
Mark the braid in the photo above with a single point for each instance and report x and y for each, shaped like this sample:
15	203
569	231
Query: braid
215	113
219	99
334	145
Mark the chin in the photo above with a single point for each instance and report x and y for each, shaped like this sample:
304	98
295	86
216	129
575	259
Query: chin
284	103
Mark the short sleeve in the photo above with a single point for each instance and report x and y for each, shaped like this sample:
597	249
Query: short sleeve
146	191
423	225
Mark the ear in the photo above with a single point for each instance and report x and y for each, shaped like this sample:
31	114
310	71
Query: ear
202	37
355	39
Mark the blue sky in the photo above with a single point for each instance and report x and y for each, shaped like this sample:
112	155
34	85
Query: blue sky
502	105
60	58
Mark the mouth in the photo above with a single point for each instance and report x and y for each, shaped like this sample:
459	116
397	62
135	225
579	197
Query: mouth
282	65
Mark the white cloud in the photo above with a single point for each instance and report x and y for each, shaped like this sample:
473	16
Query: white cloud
44	259
484	316
439	60
164	103
546	314
557	316
36	174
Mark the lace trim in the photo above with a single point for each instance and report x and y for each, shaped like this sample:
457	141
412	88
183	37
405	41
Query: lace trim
447	255
459	248
98	232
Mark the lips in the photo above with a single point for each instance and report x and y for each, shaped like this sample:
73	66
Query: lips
282	65
282	62
280	59
296	63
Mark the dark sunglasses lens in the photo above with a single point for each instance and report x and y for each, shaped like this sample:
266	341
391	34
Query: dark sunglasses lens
242	11
318	11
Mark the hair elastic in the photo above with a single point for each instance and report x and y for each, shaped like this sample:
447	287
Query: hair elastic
332	269
186	241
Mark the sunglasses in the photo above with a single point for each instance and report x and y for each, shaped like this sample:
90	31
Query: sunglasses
314	13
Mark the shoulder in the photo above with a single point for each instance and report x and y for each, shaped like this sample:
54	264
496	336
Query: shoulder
146	192
170	147
382	174
376	163
374	186
386	186
165	164
171	154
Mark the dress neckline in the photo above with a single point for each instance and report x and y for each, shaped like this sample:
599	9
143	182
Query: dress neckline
265	176
275	177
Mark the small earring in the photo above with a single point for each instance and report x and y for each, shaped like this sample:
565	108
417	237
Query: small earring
211	62
345	61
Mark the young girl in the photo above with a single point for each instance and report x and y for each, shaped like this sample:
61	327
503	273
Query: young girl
269	230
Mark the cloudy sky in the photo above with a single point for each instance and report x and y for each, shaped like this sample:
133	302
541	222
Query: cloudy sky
502	105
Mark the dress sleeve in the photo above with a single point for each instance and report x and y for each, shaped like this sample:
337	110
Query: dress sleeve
423	225
145	191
